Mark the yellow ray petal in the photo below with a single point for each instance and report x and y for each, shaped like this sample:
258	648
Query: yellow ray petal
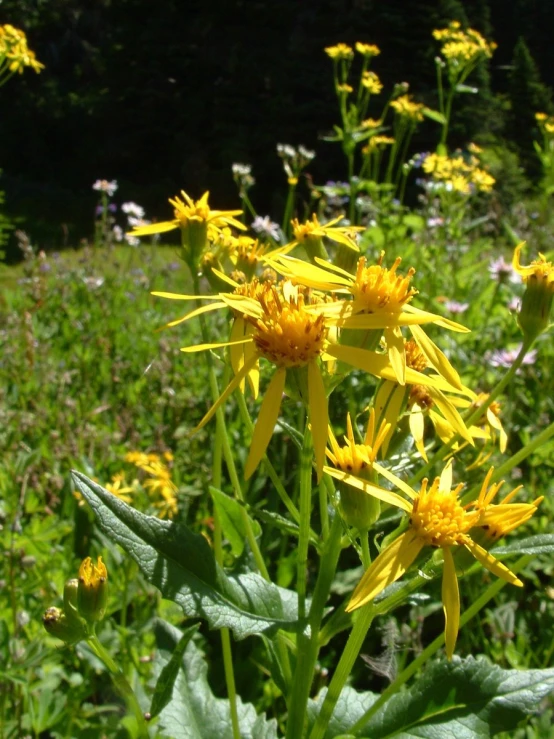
236	351
417	429
197	312
319	417
231	387
267	418
437	320
385	495
491	563
154	228
397	354
446	476
388	567
451	414
391	477
308	274
334	268
388	403
224	278
435	357
450	602
178	296
215	345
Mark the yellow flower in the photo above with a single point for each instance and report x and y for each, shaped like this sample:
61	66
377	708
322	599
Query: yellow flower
118	488
407	108
14	52
310	233
462	49
345	88
92	593
380	300
372	83
289	332
436	519
339	51
367	50
376	142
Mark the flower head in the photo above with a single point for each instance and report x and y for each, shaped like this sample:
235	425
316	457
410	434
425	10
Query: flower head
405	107
536	304
15	55
92	594
437	519
339	51
367	50
107	186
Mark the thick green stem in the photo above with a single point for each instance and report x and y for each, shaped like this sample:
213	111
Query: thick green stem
344	668
120	683
308	647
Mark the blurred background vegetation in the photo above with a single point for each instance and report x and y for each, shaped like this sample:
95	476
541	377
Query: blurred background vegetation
164	96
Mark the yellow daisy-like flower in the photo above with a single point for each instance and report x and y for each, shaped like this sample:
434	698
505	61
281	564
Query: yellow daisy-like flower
118	488
339	51
14	52
377	142
310	234
437	519
462	49
380	300
367	50
289	332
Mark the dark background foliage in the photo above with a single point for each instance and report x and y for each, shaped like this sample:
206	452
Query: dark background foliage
167	95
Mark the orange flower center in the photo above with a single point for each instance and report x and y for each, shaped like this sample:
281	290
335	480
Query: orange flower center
438	518
378	289
415	358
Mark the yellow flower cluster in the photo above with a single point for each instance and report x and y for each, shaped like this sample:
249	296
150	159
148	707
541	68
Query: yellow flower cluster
372	83
404	106
15	55
343	51
546	123
462	48
462	173
159	485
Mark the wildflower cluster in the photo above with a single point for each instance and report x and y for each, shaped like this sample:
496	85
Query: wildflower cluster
459	173
161	488
462	49
15	55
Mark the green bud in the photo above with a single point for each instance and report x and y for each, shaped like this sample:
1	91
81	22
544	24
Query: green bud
70	599
534	315
57	624
92	592
358	509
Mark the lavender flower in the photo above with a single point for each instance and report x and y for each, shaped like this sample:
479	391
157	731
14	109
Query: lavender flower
506	357
454	307
502	271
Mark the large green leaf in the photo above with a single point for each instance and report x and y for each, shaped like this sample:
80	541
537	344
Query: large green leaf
538	544
182	566
194	712
350	708
231	514
466	699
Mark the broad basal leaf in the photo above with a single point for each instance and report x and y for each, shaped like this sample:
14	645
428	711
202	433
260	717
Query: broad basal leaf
182	566
231	514
193	711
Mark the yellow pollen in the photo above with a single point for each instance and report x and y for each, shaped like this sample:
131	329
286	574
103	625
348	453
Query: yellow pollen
438	518
287	334
378	289
420	395
415	358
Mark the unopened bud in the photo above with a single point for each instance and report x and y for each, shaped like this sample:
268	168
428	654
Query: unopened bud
92	593
534	315
59	625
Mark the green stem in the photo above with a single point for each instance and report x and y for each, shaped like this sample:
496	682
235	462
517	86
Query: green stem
344	668
429	651
289	207
120	683
364	542
308	651
471	418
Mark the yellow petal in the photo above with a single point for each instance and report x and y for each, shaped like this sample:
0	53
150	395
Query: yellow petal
269	413
436	319
319	417
450	603
388	404
435	357
236	351
417	428
215	345
446	477
451	414
154	228
397	353
308	274
231	387
396	481
178	296
491	563
367	487
197	312
390	565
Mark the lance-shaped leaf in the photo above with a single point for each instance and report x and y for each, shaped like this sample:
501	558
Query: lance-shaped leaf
182	566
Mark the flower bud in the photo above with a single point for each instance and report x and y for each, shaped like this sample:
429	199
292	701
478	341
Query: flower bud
59	625
534	315
92	592
70	599
358	509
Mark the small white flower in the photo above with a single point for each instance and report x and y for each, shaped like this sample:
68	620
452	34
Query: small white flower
107	186
503	271
264	226
454	307
286	151
132	209
137	222
117	233
306	153
132	240
241	170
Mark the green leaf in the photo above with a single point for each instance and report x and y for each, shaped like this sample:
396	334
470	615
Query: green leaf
350	708
231	514
194	712
434	115
468	699
538	544
182	566
414	221
168	675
